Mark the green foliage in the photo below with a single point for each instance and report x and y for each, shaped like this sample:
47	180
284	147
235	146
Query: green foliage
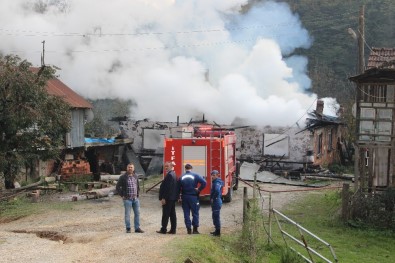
333	55
253	236
375	211
32	122
341	169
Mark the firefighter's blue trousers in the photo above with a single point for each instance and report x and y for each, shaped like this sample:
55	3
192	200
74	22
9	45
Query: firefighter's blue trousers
190	203
216	210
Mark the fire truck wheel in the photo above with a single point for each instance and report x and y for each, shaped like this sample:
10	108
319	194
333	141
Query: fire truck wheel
228	196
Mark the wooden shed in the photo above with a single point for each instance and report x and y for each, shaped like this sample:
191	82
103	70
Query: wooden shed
80	110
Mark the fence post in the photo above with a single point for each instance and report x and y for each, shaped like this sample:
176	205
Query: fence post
345	201
245	200
270	218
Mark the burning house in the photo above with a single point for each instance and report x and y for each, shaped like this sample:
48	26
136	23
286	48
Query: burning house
319	143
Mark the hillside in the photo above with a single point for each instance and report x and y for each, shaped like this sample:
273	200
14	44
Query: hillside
333	54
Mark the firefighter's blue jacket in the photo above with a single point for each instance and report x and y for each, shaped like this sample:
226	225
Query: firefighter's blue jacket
216	193
189	181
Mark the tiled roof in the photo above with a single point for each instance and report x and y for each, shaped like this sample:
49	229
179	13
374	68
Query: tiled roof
57	88
381	57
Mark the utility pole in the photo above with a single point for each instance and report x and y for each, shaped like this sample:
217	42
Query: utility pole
358	166
42	56
361	40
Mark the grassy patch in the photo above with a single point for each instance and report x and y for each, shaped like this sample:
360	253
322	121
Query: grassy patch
20	207
319	213
203	249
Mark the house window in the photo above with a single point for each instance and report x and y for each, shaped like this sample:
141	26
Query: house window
375	93
330	140
319	150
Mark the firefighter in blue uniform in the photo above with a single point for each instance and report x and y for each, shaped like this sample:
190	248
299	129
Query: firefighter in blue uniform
190	186
216	201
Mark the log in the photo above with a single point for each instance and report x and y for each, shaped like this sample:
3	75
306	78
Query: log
109	177
23	187
50	179
99	193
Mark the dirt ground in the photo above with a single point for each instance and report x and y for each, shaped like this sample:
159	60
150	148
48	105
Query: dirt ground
94	230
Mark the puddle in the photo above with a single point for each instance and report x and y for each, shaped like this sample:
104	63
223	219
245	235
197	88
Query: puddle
51	235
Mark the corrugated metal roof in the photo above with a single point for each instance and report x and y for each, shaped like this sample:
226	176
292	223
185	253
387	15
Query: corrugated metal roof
381	57
58	88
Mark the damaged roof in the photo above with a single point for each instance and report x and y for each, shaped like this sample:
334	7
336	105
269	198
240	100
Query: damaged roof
318	120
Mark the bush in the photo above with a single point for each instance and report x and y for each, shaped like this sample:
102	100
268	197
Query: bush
374	210
252	238
341	169
289	256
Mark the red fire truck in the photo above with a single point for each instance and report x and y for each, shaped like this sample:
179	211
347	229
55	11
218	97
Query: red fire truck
206	148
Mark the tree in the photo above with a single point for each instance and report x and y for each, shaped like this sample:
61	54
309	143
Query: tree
32	122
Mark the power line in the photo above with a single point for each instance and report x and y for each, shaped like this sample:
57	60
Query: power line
32	33
292	124
203	44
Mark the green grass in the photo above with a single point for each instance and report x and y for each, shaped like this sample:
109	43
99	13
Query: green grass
319	213
21	206
203	248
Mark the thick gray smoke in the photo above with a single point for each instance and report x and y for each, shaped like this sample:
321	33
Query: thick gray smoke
174	58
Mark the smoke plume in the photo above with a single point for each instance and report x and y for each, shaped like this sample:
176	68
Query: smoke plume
226	59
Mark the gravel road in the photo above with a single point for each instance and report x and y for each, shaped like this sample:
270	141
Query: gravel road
93	231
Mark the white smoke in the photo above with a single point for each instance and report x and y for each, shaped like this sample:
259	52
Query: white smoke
174	58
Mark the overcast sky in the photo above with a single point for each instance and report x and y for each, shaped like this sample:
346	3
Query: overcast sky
174	58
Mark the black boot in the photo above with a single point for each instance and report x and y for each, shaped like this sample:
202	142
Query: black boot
171	231
195	230
189	231
161	231
216	233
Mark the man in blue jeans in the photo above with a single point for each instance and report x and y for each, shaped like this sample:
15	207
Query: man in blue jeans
189	190
128	188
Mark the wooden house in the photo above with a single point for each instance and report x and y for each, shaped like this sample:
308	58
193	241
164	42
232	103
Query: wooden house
375	109
80	110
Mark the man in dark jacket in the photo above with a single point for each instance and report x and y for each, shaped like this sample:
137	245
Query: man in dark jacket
188	187
216	201
128	188
168	193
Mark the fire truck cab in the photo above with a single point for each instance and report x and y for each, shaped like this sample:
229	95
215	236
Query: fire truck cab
206	148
